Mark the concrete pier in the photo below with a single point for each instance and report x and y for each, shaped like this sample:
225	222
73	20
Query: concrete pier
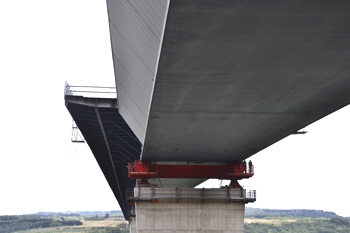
132	224
173	210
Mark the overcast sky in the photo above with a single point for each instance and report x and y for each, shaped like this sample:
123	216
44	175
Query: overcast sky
45	43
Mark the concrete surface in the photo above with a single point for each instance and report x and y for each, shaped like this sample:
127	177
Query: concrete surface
163	210
237	76
189	216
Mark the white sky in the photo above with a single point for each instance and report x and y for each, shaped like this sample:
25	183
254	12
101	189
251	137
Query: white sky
43	43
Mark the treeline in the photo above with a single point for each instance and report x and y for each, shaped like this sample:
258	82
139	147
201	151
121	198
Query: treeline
14	223
86	215
333	225
68	214
79	213
297	213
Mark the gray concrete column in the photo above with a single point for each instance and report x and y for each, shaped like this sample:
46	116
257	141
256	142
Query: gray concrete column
190	216
166	210
132	224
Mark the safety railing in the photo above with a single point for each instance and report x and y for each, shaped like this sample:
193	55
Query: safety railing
240	168
132	212
77	136
250	195
226	193
146	169
90	91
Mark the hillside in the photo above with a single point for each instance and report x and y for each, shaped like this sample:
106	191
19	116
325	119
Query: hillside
256	221
281	213
298	220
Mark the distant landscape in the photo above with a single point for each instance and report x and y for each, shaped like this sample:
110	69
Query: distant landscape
54	222
256	221
298	220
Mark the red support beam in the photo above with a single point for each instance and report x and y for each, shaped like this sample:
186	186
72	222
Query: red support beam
139	170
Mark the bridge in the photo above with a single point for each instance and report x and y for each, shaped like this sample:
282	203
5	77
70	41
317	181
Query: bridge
206	83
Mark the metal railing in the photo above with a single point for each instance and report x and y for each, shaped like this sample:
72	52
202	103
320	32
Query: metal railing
132	212
251	195
77	136
145	169
227	193
90	91
239	169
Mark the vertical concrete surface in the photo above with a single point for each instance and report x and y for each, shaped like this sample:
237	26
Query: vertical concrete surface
189	216
132	225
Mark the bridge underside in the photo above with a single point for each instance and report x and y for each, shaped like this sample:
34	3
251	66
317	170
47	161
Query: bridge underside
216	81
235	77
113	144
110	139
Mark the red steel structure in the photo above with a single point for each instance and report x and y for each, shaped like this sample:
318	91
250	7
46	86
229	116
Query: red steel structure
231	171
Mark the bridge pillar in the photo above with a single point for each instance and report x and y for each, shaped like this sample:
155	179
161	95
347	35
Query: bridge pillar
189	210
132	224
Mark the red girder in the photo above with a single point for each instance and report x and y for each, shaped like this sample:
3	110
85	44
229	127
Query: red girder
232	171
